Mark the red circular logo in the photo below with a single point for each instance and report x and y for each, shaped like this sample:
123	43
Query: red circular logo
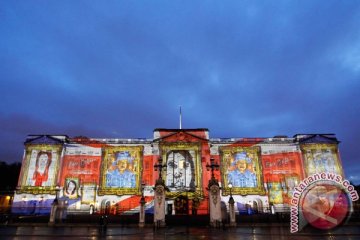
325	205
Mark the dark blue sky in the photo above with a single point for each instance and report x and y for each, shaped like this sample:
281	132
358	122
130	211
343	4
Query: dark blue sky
122	68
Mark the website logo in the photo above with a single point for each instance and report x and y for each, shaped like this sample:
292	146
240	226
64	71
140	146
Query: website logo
323	200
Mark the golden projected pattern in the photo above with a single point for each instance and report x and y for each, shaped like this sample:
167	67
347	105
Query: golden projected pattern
183	169
121	170
88	193
321	158
41	166
240	167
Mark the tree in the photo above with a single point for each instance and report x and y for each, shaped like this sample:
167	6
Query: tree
9	175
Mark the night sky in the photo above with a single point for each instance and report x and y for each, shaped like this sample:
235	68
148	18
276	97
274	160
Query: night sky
120	69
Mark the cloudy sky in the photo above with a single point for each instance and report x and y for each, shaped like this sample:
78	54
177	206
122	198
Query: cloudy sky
122	68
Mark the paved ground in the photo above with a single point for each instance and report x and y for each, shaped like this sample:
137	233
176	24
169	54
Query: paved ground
259	231
256	227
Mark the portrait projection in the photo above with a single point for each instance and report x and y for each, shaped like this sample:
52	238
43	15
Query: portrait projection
321	158
241	168
71	188
180	170
121	170
42	162
183	169
42	165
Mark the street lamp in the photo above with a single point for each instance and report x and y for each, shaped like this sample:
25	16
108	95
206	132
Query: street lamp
159	201
231	199
212	166
214	195
159	167
57	190
231	207
142	207
142	189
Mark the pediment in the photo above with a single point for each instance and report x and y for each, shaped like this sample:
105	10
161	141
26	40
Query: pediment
45	139
319	138
180	136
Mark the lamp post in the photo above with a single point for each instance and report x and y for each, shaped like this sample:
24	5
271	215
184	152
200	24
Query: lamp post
214	195
159	198
268	186
54	207
231	208
159	167
142	207
57	190
212	166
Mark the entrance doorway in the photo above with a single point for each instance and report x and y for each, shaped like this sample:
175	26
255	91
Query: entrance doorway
181	205
105	207
187	211
255	207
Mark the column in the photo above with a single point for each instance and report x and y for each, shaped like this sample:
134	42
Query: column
159	204
54	207
142	212
53	212
232	212
215	203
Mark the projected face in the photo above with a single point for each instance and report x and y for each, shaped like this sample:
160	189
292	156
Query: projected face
40	175
241	172
43	160
71	187
121	172
122	165
241	165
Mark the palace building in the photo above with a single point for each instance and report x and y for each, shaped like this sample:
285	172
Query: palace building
111	175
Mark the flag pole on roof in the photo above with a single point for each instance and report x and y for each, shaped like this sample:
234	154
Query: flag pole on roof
180	117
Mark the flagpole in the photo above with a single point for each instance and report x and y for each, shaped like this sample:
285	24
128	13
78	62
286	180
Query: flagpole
180	117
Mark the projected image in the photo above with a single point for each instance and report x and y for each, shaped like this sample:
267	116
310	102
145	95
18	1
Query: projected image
183	169
321	158
88	194
240	168
275	193
81	162
121	170
42	163
241	172
71	187
180	169
281	172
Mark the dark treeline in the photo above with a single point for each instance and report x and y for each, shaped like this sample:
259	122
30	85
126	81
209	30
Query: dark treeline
9	175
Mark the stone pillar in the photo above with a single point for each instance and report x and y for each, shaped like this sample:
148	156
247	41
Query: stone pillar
142	212
215	203
62	209
159	204
232	212
53	213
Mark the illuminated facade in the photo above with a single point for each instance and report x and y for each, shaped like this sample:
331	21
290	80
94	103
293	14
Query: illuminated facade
108	175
